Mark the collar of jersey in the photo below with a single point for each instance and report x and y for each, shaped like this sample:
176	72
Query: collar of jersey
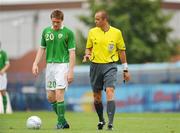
103	31
60	28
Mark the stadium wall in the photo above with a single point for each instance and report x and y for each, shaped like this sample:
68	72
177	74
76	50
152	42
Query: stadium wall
154	87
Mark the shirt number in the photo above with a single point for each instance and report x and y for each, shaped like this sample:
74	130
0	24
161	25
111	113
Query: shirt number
52	84
49	37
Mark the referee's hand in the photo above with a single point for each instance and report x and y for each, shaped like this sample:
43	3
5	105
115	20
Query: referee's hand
1	73
126	76
86	57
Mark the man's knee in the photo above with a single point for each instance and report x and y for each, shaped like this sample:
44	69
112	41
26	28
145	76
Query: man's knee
3	93
60	95
110	93
51	97
97	97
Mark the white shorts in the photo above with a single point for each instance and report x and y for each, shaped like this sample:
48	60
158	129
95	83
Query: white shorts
56	76
3	81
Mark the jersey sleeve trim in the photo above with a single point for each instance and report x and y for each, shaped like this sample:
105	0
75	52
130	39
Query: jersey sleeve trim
123	48
7	62
71	49
42	46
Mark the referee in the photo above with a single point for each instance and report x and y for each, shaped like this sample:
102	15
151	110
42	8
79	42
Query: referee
104	47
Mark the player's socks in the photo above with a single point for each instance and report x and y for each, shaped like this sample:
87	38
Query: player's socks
99	109
110	111
61	112
4	102
54	106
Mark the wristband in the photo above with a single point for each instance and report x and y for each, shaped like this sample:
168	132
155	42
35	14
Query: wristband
125	66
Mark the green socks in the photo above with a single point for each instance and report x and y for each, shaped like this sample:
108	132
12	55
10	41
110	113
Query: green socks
4	103
54	106
61	112
59	109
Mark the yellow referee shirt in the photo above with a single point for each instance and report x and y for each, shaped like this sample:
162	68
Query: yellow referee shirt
105	45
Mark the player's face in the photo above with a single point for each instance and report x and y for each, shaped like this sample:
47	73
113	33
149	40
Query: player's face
56	23
98	20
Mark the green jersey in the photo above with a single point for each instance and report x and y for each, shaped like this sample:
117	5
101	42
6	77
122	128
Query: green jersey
3	59
57	44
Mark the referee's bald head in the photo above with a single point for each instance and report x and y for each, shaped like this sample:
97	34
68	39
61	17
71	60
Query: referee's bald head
104	14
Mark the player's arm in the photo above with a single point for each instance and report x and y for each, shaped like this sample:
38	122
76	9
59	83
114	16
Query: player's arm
35	69
7	64
71	65
87	54
5	68
122	56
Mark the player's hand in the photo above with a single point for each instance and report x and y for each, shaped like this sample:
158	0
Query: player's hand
35	69
70	77
1	73
126	76
86	57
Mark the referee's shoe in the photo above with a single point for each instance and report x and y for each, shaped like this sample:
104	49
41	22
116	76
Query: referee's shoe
110	127
101	125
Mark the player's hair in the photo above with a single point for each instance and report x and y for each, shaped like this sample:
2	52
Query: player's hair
104	14
57	14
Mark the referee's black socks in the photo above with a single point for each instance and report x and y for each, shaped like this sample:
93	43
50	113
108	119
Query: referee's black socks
99	109
110	111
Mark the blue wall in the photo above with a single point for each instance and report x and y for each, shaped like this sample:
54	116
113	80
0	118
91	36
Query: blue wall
153	87
129	98
133	98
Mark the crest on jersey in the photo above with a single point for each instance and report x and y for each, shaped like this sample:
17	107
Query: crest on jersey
60	35
111	47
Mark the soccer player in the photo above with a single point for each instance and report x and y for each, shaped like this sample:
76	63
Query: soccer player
59	43
4	65
104	47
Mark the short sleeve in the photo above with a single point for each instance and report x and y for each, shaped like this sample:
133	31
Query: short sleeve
89	43
6	58
43	41
120	42
71	40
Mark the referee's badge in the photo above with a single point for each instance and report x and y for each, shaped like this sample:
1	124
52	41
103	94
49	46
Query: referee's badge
111	47
60	36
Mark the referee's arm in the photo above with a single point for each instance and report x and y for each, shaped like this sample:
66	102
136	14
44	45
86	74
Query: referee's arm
122	56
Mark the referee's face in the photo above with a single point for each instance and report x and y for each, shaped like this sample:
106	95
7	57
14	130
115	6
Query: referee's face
56	23
98	20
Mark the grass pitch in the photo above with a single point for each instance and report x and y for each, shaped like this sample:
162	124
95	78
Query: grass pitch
86	123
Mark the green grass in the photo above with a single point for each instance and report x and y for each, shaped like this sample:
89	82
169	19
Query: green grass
86	123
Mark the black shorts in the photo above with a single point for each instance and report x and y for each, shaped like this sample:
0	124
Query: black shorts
103	76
